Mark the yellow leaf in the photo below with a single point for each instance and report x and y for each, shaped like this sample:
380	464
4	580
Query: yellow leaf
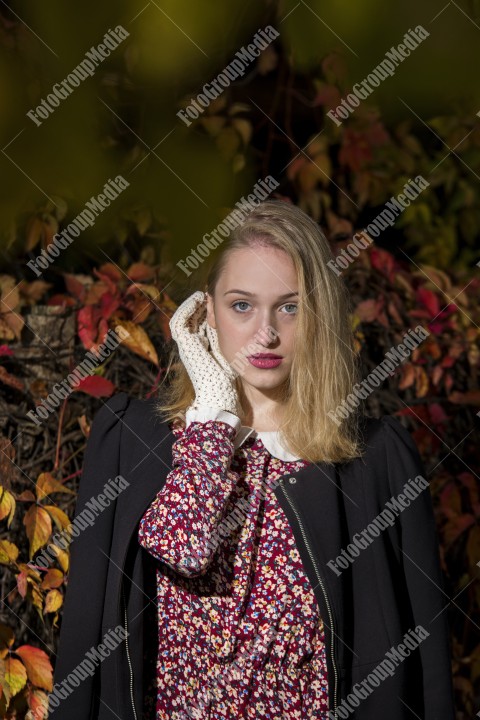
46	484
38	527
61	519
8	552
7	505
137	340
53	601
62	556
15	675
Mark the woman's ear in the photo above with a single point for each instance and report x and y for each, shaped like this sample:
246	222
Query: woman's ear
210	311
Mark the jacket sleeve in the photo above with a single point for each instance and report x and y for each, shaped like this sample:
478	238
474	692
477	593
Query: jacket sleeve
181	526
423	575
89	550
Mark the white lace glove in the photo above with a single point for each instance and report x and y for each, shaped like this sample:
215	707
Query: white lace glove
212	377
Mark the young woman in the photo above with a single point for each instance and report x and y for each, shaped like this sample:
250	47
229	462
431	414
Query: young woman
269	556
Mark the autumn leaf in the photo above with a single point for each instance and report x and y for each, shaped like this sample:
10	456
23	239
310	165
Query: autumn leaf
38	527
38	666
8	552
140	272
472	397
53	601
60	518
62	556
37	703
53	578
7	505
46	485
96	386
15	675
137	340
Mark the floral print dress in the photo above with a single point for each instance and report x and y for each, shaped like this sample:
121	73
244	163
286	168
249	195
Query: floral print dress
240	634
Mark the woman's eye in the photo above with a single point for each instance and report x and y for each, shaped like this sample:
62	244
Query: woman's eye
244	302
240	302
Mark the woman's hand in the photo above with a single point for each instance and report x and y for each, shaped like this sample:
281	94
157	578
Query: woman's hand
212	377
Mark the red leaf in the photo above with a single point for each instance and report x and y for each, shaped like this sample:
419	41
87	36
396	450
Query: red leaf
437	413
61	300
429	299
383	261
109	304
96	386
88	318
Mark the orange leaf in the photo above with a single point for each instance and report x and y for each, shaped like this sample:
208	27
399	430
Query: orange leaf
38	704
38	666
53	578
38	527
138	272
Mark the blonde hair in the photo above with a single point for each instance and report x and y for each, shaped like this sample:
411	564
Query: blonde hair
325	365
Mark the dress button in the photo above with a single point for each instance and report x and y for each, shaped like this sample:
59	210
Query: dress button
292	480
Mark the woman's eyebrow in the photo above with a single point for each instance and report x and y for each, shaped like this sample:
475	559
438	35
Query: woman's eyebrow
245	292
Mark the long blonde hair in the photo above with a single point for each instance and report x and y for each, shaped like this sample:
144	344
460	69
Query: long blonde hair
325	365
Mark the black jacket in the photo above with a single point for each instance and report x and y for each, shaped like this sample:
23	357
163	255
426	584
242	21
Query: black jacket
393	586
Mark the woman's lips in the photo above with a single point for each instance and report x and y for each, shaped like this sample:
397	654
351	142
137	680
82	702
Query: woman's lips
265	362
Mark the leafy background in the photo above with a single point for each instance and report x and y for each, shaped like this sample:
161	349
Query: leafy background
423	120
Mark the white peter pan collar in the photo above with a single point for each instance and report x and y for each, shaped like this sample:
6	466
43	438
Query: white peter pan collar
271	439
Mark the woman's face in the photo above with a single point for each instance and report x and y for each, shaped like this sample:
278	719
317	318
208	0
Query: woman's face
254	311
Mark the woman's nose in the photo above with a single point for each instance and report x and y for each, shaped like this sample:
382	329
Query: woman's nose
266	334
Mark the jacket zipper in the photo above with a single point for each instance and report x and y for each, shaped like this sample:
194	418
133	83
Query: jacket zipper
128	655
320	582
